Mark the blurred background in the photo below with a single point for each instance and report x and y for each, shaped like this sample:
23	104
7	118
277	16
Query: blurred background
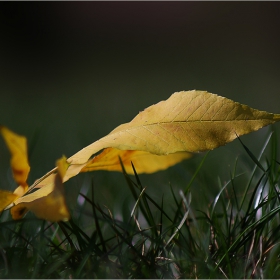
73	71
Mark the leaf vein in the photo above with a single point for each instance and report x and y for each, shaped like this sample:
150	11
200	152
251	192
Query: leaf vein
210	106
220	108
198	106
179	112
173	135
157	135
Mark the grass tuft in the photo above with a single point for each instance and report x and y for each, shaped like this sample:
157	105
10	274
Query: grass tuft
237	235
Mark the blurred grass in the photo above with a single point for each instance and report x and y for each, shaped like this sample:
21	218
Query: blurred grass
197	226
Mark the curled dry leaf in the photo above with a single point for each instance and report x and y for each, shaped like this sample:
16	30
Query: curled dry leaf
17	146
19	162
48	202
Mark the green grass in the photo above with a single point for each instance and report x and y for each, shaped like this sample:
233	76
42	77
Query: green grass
237	235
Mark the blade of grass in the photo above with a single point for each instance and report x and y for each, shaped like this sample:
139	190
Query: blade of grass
195	173
255	160
98	229
254	170
137	202
254	225
131	186
190	184
184	218
146	206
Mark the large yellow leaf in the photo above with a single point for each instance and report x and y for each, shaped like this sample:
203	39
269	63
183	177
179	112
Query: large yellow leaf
158	137
191	121
48	202
19	162
143	161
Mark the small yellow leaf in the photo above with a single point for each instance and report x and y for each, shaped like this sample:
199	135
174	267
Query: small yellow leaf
22	204
18	148
62	166
21	190
6	198
144	162
48	202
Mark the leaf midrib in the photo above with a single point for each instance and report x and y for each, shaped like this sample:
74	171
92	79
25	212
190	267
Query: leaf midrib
273	120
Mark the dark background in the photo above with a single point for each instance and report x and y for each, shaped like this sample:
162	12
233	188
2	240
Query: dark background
70	72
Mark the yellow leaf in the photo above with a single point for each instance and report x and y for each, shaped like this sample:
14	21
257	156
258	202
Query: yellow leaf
192	121
21	190
144	162
189	121
62	166
46	181
6	198
19	162
48	202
